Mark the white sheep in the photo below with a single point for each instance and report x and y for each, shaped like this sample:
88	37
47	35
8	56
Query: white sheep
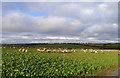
13	47
20	49
54	50
38	50
26	50
73	50
48	51
84	50
23	50
4	47
42	51
96	51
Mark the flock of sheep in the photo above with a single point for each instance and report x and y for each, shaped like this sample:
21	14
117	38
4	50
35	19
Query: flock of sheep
92	50
48	50
60	50
23	50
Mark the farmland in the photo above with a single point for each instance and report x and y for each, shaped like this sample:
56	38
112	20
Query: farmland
78	63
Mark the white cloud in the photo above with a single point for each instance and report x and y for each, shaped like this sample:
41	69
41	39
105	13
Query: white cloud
68	38
87	12
70	22
60	0
103	7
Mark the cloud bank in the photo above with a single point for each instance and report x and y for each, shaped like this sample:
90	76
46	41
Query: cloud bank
54	22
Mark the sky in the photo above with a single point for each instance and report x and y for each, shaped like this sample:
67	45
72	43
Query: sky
59	22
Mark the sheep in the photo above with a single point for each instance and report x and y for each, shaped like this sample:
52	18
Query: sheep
54	50
42	51
96	51
4	47
84	50
65	51
48	51
38	50
13	47
20	49
59	50
44	48
26	50
23	50
73	50
90	50
62	51
93	51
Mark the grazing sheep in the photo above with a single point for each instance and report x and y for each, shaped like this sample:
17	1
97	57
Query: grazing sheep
90	50
38	50
13	47
62	51
4	47
48	51
23	50
84	50
26	50
20	49
65	51
54	50
42	51
73	50
96	51
93	51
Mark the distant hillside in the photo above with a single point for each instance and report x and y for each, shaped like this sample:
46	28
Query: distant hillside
67	45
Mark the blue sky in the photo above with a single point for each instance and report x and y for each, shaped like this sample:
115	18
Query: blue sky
59	22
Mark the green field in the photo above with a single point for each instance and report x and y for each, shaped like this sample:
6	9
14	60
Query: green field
77	63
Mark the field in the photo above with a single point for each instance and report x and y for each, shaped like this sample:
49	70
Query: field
79	63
